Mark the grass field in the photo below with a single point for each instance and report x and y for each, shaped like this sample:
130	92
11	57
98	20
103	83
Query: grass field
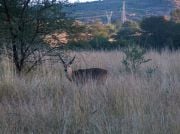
45	102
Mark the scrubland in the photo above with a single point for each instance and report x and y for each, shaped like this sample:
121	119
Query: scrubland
45	102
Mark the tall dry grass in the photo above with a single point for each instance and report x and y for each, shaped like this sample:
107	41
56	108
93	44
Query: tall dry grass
45	102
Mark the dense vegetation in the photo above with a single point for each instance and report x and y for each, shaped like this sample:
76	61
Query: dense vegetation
156	32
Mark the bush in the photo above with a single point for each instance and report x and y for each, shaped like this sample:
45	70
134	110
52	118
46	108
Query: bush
134	57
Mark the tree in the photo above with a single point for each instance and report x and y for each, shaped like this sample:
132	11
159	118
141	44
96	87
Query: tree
134	57
23	23
129	30
160	33
156	31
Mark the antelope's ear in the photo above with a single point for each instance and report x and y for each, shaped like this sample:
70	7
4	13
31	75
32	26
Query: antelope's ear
72	60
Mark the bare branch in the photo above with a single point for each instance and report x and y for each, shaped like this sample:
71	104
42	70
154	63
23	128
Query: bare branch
39	59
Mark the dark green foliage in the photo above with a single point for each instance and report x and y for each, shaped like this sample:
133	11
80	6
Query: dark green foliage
98	43
128	31
152	33
160	33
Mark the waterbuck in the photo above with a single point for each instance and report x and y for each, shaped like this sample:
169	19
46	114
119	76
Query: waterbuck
82	76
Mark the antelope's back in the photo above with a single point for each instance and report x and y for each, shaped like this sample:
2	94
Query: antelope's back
83	75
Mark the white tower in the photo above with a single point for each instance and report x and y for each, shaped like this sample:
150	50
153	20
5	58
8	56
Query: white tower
109	16
123	14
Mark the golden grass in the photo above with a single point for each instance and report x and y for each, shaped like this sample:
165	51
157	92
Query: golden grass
45	102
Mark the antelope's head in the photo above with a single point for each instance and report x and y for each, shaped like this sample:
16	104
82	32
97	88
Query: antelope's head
67	67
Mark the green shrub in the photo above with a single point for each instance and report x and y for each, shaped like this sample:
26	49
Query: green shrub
134	57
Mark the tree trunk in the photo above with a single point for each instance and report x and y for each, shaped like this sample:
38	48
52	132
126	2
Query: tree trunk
16	59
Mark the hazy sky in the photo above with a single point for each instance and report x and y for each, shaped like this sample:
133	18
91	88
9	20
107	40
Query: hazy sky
81	0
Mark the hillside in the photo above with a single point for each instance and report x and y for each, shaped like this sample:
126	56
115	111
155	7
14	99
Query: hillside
136	9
